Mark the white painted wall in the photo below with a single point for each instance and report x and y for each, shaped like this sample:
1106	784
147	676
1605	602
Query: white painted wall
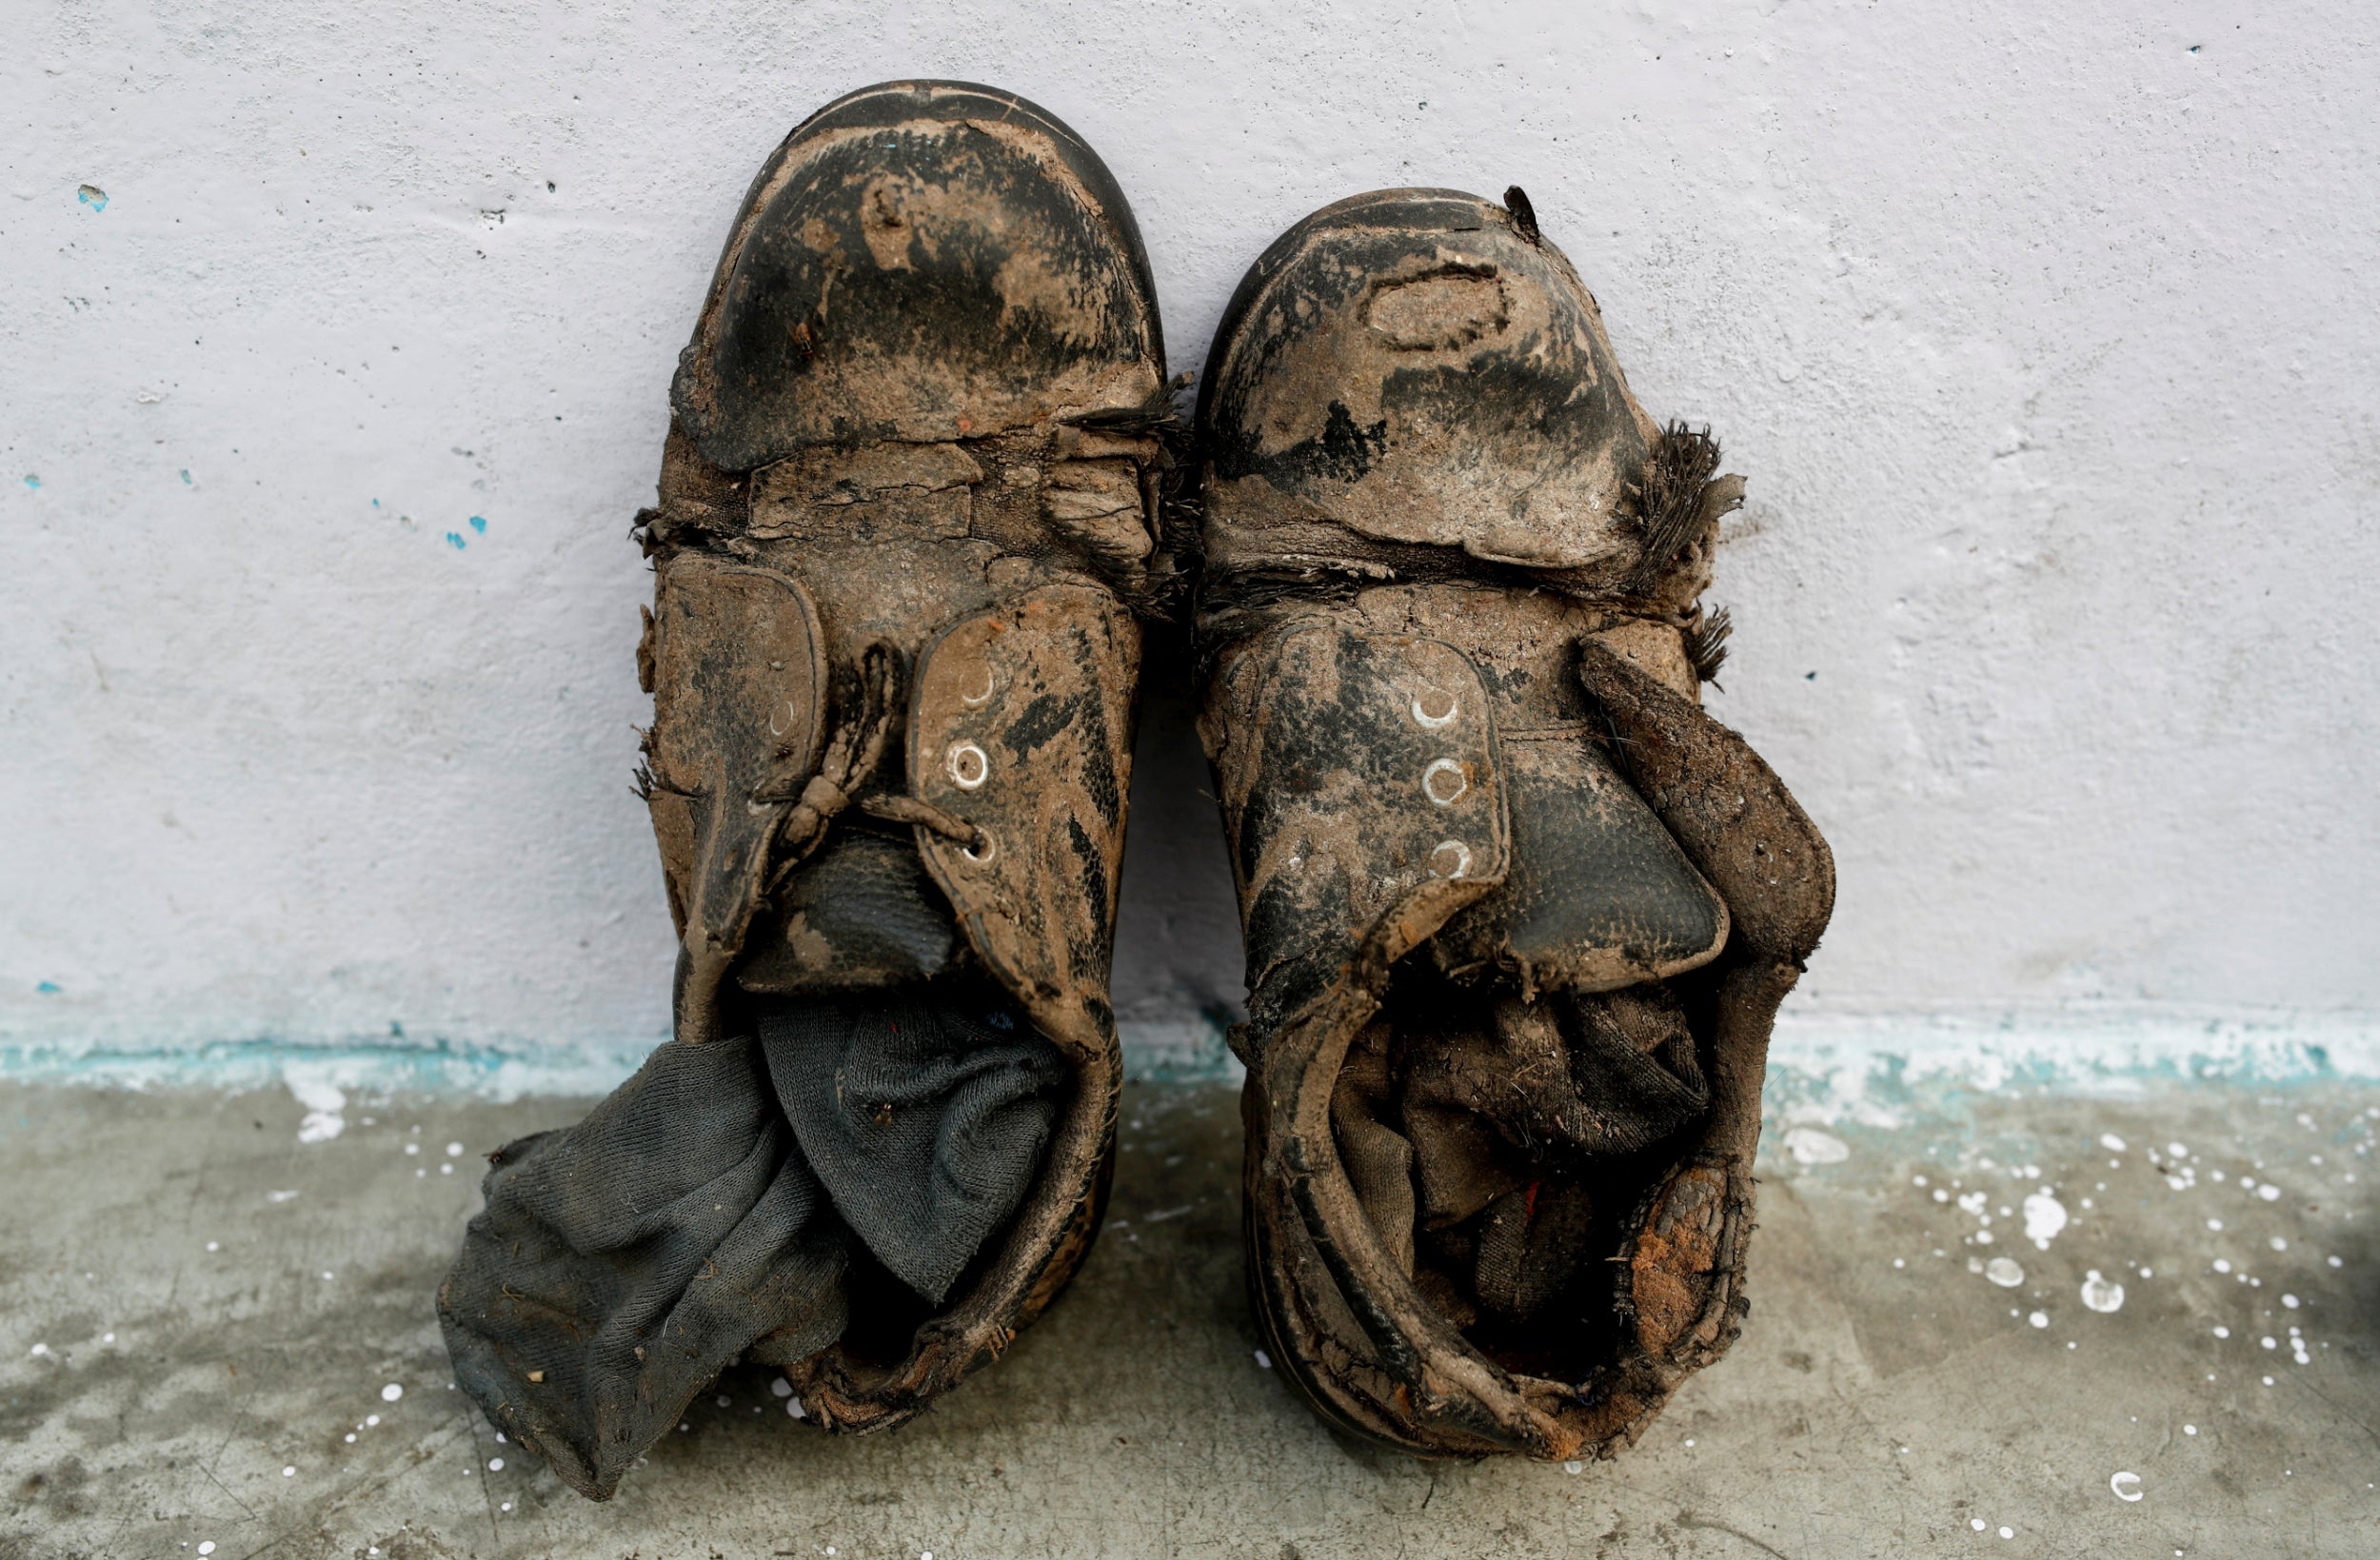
2045	334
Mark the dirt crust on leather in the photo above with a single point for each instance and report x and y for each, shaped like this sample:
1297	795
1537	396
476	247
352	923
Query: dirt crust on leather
919	487
1518	912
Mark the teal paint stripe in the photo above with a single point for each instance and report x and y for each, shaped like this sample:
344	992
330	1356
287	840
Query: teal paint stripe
1866	1069
429	1067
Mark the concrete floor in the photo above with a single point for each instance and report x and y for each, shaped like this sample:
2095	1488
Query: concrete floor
205	1324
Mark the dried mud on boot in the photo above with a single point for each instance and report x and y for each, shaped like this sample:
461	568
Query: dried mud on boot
1519	912
921	481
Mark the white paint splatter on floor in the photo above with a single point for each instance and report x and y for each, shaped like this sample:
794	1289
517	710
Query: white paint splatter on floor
2101	1293
324	1101
2045	1218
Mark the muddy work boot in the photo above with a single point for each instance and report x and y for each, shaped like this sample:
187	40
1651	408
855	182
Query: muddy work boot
1519	914
909	506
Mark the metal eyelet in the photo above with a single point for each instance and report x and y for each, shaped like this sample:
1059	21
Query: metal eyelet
1444	716
967	765
1434	781
1450	860
985	848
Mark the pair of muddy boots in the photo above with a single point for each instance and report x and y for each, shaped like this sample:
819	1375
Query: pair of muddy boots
1518	914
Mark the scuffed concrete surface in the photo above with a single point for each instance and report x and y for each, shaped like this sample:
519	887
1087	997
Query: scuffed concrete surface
201	1316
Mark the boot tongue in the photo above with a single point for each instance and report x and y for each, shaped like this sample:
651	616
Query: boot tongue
1599	895
859	915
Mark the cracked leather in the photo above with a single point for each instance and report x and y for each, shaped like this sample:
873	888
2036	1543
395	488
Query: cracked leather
1504	1065
1022	723
929	286
912	445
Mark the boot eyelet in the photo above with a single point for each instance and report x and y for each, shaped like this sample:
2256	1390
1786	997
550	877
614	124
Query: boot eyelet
1433	707
1450	860
983	850
967	765
1444	782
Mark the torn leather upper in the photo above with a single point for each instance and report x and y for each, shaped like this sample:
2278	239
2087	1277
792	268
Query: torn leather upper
919	262
921	392
736	664
1359	786
1414	372
1500	1131
918	455
1023	725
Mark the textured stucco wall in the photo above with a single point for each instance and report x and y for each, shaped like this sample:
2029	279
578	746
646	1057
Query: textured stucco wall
2045	336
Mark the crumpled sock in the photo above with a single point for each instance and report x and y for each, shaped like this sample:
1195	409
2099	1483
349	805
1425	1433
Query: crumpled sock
621	1264
924	1120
